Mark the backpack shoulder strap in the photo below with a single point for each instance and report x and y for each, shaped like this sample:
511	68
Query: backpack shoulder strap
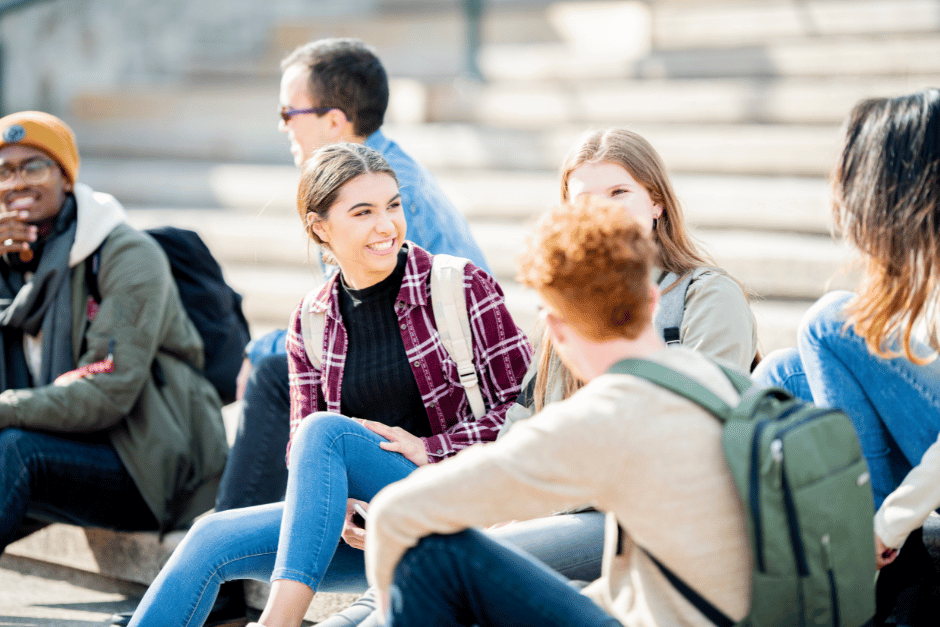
671	308
449	304
702	604
312	326
675	382
92	267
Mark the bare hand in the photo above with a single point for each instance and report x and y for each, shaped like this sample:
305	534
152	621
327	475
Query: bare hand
15	234
883	555
411	447
353	534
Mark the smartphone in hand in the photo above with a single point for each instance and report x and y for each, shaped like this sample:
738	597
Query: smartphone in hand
360	516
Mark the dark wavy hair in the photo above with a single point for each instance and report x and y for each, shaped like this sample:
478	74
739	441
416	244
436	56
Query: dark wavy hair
886	191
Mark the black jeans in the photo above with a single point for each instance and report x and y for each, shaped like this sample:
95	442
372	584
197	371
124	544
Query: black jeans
256	471
77	479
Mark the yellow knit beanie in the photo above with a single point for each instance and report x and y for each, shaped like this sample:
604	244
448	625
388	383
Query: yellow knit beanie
45	132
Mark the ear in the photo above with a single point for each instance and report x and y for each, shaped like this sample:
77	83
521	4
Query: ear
556	328
657	211
338	125
318	226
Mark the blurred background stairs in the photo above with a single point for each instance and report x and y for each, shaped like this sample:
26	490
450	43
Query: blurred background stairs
743	98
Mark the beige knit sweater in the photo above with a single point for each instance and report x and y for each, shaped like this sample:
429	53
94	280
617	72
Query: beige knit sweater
652	460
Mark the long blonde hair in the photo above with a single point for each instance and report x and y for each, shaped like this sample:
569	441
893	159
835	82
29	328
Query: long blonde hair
886	189
678	252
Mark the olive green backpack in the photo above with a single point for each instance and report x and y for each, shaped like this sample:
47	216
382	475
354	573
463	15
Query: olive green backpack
804	486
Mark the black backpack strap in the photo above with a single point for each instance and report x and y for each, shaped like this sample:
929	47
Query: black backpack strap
674	382
92	267
708	610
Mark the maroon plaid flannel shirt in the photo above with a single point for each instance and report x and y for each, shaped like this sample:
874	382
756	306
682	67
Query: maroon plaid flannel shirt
501	353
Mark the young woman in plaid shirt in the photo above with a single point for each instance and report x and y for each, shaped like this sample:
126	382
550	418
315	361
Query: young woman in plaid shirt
386	399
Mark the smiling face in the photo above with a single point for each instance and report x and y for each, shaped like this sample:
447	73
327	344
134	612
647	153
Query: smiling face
364	229
40	201
613	182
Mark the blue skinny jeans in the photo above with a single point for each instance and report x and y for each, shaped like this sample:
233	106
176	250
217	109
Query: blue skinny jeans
894	404
332	458
471	579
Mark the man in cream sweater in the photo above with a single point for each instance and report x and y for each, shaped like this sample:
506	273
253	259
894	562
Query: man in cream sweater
650	459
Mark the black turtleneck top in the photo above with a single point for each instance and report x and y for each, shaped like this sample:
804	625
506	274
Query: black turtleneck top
378	383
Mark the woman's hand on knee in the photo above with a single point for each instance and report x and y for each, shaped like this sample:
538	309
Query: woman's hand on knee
411	447
354	532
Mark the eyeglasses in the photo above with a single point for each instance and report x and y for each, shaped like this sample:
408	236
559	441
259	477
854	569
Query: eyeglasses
33	171
287	114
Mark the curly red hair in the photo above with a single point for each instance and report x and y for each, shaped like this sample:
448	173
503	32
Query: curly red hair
593	261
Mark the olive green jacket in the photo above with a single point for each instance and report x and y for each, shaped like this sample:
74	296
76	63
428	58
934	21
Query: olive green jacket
162	416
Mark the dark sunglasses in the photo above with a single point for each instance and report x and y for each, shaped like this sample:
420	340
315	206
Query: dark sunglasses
32	171
287	114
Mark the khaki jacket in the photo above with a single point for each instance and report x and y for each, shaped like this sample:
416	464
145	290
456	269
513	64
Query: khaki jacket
163	417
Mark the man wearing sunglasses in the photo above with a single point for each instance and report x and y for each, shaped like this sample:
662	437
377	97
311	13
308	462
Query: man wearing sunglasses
335	90
104	420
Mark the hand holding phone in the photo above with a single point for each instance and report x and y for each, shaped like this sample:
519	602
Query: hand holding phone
354	526
361	513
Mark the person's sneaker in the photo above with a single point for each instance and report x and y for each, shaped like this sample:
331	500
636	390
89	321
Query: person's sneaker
229	609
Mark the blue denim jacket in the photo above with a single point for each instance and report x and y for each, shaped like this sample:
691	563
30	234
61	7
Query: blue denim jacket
434	224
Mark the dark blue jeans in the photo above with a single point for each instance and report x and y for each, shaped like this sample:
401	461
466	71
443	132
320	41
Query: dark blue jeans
77	479
471	579
256	471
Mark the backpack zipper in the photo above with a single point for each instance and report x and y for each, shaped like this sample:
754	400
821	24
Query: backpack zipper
833	591
754	487
754	494
796	538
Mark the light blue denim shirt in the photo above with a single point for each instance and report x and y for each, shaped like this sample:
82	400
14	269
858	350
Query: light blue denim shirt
434	223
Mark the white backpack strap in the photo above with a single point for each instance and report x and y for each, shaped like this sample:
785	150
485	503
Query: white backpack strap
453	324
312	325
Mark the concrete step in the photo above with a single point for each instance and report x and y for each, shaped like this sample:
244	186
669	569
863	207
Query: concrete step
722	23
259	192
882	55
745	149
808	101
137	557
752	149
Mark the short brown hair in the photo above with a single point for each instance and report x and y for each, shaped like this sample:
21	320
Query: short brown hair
345	74
594	261
326	172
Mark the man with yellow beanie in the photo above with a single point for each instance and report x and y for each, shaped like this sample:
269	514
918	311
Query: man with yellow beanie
104	417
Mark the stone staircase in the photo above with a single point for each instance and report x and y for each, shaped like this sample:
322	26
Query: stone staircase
743	98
